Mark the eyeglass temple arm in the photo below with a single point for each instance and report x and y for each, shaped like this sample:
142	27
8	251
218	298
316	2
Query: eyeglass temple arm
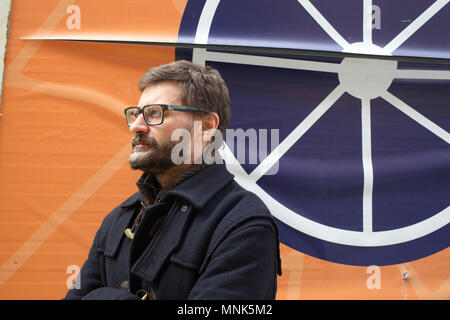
183	108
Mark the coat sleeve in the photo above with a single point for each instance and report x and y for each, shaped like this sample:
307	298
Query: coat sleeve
89	277
242	266
90	285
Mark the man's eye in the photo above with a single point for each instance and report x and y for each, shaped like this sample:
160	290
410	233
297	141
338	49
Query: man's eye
154	113
132	113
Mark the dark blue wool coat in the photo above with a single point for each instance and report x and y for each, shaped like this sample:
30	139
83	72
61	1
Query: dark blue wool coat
218	241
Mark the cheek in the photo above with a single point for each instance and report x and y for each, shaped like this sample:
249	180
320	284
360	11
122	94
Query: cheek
163	135
179	125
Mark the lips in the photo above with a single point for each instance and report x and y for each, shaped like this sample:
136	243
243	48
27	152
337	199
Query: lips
141	143
141	147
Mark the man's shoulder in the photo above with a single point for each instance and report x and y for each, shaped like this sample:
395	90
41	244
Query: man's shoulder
234	207
237	212
242	199
215	185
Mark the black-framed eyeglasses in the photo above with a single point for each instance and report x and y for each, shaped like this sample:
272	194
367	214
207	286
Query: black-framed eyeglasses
154	113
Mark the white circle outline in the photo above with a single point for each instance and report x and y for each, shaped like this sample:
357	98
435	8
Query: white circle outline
367	238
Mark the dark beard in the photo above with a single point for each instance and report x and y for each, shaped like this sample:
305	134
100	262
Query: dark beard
156	160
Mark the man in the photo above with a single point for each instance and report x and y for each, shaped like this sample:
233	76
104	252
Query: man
190	232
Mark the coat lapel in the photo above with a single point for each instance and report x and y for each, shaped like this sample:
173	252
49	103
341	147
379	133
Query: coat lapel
113	239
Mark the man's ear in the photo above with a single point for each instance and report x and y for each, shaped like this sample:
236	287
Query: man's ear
210	122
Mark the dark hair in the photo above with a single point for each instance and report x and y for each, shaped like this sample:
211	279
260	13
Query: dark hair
202	87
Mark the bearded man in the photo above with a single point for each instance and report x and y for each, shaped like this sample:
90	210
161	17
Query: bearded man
190	232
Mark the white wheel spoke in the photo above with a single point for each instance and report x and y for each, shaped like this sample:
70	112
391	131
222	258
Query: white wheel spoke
296	134
326	26
202	55
367	165
232	163
416	116
415	25
423	74
367	21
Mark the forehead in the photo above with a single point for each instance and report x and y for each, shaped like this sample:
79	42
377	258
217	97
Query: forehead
167	92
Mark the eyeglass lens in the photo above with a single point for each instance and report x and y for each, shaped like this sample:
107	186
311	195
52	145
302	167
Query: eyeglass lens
152	114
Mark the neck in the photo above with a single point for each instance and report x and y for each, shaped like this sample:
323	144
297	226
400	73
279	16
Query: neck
168	176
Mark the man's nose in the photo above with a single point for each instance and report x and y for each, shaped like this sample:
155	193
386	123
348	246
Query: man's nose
139	125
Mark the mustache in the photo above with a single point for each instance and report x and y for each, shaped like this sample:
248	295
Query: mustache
137	139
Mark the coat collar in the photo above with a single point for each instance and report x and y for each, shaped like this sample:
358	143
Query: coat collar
202	186
133	200
198	189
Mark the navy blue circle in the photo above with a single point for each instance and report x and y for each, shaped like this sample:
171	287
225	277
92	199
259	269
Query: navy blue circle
321	176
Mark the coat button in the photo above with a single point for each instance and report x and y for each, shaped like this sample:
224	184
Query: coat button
184	208
129	233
